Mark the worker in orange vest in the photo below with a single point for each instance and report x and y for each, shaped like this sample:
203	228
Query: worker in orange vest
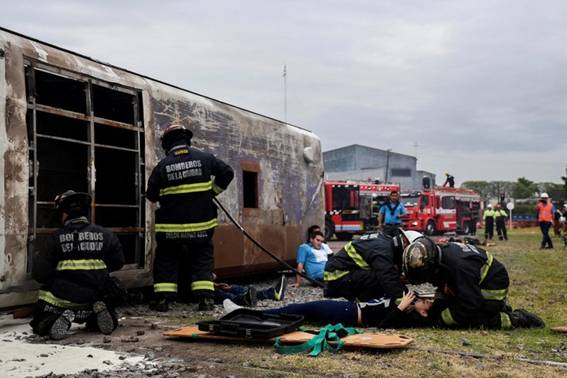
545	210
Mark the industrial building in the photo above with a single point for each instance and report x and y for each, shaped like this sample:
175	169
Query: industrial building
362	163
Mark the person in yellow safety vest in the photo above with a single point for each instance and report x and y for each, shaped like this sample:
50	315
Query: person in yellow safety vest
474	282
545	210
186	218
488	217
500	217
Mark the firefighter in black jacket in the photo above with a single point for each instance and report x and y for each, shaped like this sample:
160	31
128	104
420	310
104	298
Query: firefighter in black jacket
186	217
367	268
474	282
73	268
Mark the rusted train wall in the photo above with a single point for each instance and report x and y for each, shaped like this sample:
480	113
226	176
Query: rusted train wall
287	161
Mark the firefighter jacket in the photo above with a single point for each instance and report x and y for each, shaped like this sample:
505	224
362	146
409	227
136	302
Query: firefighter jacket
75	263
500	213
182	184
477	282
375	252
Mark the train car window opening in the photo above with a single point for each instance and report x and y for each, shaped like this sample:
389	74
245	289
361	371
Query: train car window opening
87	137
250	189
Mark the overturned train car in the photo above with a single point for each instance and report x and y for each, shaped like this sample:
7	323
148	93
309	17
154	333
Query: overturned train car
68	121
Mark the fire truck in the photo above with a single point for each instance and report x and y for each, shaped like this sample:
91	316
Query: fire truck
440	209
352	207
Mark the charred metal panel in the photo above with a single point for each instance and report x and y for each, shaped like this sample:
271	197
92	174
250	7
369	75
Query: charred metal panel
290	196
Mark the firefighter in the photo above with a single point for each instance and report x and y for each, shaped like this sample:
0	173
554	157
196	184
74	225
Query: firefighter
488	217
390	214
449	180
73	270
367	268
186	217
475	283
500	217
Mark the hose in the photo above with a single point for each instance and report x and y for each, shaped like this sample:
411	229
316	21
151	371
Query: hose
220	206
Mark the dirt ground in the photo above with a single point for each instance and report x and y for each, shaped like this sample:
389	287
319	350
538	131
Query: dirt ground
435	353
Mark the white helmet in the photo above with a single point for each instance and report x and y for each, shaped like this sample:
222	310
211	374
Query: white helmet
410	236
544	195
489	206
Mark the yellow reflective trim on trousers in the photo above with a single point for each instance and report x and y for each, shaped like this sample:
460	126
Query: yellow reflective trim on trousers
335	275
94	264
505	322
447	318
355	256
217	189
187	188
48	297
186	227
486	267
165	287
202	285
495	295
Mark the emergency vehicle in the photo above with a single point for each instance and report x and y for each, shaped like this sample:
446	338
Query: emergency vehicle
351	207
441	210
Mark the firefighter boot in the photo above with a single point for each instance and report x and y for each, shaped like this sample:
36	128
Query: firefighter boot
161	305
524	319
206	304
61	325
104	320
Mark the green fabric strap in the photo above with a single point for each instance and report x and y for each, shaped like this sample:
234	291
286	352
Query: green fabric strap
319	342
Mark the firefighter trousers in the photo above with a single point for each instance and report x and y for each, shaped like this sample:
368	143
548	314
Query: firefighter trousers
180	262
489	228
358	284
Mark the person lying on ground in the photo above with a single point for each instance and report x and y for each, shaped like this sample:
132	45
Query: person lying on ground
381	313
249	295
311	258
73	269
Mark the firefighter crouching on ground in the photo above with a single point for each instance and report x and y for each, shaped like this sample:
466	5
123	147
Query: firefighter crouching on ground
367	268
73	268
186	217
474	282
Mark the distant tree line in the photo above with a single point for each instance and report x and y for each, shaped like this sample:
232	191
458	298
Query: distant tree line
521	189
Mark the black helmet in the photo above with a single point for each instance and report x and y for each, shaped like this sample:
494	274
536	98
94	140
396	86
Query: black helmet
420	260
174	133
73	202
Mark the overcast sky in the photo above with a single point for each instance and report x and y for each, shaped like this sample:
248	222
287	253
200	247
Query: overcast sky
479	86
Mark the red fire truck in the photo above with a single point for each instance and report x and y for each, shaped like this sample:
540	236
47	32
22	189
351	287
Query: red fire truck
352	207
441	210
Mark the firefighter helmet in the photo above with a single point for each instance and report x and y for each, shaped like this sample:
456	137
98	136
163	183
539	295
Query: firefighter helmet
420	260
173	133
544	195
72	201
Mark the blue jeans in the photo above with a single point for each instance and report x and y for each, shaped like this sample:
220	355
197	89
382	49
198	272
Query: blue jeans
236	291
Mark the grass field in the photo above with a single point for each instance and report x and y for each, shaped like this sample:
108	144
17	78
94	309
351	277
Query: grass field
538	284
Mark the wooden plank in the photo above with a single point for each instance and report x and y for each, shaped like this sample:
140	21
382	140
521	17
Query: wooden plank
368	340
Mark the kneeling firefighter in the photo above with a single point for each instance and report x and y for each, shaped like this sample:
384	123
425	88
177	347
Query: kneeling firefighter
475	283
73	269
368	268
186	217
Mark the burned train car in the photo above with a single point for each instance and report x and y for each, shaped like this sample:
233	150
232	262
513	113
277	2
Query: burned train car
68	121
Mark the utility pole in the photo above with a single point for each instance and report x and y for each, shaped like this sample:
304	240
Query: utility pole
285	91
387	165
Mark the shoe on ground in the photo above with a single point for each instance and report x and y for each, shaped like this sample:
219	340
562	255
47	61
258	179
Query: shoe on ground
523	319
161	305
279	288
104	320
229	306
206	304
250	299
61	325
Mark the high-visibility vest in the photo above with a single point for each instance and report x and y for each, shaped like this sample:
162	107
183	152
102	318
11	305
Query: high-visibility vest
545	212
